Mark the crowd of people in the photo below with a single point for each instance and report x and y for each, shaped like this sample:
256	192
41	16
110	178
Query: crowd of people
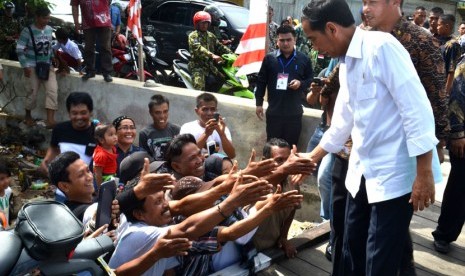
393	100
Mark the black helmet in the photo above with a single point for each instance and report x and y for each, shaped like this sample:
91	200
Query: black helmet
215	13
9	5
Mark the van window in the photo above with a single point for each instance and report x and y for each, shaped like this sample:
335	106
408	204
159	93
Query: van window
174	13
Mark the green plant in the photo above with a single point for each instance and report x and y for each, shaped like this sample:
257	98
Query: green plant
31	4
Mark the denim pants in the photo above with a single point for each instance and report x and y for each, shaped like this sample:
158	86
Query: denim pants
324	174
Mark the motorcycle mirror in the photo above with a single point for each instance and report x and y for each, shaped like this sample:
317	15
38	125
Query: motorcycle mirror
223	24
149	28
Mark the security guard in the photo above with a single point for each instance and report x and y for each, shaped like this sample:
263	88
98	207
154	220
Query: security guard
9	32
206	51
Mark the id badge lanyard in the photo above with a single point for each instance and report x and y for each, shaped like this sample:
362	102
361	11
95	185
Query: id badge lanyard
282	80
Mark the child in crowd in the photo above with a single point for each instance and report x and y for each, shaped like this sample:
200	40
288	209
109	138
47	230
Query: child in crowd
105	165
67	52
5	194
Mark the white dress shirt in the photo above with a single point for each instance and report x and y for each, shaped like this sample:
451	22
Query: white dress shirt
384	106
71	48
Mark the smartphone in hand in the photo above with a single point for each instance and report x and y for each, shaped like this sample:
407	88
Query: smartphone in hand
106	195
216	116
211	147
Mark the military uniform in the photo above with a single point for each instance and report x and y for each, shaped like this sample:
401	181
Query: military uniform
8	27
201	46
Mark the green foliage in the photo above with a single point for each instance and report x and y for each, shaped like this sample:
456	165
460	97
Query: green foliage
31	4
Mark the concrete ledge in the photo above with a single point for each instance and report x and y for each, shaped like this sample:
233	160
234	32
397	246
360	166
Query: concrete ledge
128	97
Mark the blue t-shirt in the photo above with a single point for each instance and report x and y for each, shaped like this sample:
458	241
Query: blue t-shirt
115	14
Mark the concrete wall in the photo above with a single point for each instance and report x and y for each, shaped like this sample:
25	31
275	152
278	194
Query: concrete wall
126	97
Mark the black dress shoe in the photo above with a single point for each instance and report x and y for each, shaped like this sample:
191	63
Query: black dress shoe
442	246
329	252
107	78
88	75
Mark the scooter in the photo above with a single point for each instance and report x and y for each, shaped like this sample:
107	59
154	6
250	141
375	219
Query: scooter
86	257
125	61
233	86
153	64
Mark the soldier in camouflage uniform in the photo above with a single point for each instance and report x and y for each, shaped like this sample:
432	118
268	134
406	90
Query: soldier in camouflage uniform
272	29
9	32
206	51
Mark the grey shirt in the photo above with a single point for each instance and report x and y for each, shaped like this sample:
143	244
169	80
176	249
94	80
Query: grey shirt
155	141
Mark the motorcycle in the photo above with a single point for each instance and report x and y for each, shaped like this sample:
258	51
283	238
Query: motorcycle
86	257
153	64
125	59
233	85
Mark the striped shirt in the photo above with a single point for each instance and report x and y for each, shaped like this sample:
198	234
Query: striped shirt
25	48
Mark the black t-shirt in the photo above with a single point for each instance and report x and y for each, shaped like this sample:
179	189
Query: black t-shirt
66	138
77	208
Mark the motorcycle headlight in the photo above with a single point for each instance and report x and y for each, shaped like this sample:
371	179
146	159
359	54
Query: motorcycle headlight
152	51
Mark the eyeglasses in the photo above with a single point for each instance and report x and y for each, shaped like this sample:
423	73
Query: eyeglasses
127	128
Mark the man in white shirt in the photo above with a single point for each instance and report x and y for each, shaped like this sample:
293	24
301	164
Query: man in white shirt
208	127
384	106
67	51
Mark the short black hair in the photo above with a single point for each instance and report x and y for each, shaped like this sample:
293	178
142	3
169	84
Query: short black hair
206	97
278	142
174	149
4	169
320	12
448	19
437	10
76	98
158	99
57	169
62	34
420	8
286	29
136	204
42	11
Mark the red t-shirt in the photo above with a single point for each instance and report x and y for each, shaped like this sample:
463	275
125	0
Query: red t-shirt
94	13
106	160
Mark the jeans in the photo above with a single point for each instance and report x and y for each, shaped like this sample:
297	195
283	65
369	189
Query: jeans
324	186
324	174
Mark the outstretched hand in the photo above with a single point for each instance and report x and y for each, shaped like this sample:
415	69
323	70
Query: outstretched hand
297	164
279	201
244	193
168	247
260	168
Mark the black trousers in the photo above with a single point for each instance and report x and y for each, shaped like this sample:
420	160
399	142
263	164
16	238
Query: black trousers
452	216
102	36
284	127
339	199
375	234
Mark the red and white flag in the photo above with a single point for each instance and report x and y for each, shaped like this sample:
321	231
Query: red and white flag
134	26
251	49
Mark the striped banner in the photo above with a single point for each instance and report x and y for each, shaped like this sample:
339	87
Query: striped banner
135	7
251	48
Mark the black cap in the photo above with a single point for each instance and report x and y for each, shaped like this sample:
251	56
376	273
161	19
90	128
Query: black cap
132	165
